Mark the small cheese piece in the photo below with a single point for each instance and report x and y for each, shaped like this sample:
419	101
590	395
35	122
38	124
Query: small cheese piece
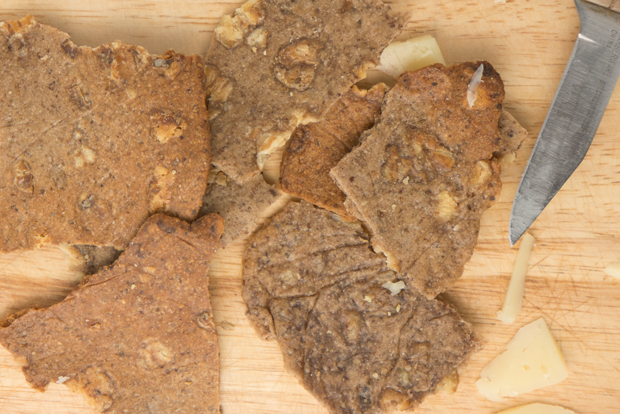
514	294
537	409
532	360
613	270
394	288
410	55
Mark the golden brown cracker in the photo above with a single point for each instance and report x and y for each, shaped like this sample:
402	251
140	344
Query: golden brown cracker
316	148
137	337
92	141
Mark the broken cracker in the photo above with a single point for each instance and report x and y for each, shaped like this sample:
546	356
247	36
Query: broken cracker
512	135
93	141
276	64
138	337
316	148
425	172
97	257
239	205
353	336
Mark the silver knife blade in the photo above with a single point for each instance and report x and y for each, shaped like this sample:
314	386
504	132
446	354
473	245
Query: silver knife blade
574	116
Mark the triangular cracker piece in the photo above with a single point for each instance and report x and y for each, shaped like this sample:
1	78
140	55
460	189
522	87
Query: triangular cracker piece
92	141
316	148
275	64
355	337
425	172
138	337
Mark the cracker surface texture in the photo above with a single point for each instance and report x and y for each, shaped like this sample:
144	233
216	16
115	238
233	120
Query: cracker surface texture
93	141
138	337
355	337
240	206
275	64
426	172
316	148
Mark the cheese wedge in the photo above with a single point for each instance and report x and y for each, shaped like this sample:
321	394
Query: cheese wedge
613	270
410	55
532	360
537	409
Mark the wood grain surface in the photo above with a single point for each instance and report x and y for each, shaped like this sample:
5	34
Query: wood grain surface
529	43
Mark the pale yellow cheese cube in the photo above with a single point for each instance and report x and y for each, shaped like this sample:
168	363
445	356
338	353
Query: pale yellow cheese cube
410	55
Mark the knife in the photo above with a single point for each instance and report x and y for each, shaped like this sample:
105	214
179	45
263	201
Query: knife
575	113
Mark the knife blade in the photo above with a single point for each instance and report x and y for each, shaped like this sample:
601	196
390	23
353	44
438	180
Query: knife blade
575	113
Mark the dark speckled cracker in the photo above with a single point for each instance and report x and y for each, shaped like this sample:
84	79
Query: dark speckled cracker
92	141
357	339
276	64
137	337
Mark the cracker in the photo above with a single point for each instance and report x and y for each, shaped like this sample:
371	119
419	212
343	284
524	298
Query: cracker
239	205
316	148
97	257
275	64
512	135
92	141
425	172
138	337
312	282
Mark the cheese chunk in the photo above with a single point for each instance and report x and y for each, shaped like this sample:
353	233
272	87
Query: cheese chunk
410	55
514	294
532	360
537	409
613	270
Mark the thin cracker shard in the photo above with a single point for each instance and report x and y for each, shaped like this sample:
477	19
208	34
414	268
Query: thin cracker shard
277	64
85	132
137	337
512	135
316	148
352	334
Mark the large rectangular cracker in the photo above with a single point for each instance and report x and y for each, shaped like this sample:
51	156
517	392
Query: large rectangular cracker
92	141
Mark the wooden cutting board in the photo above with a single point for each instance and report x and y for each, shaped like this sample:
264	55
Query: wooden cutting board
529	43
